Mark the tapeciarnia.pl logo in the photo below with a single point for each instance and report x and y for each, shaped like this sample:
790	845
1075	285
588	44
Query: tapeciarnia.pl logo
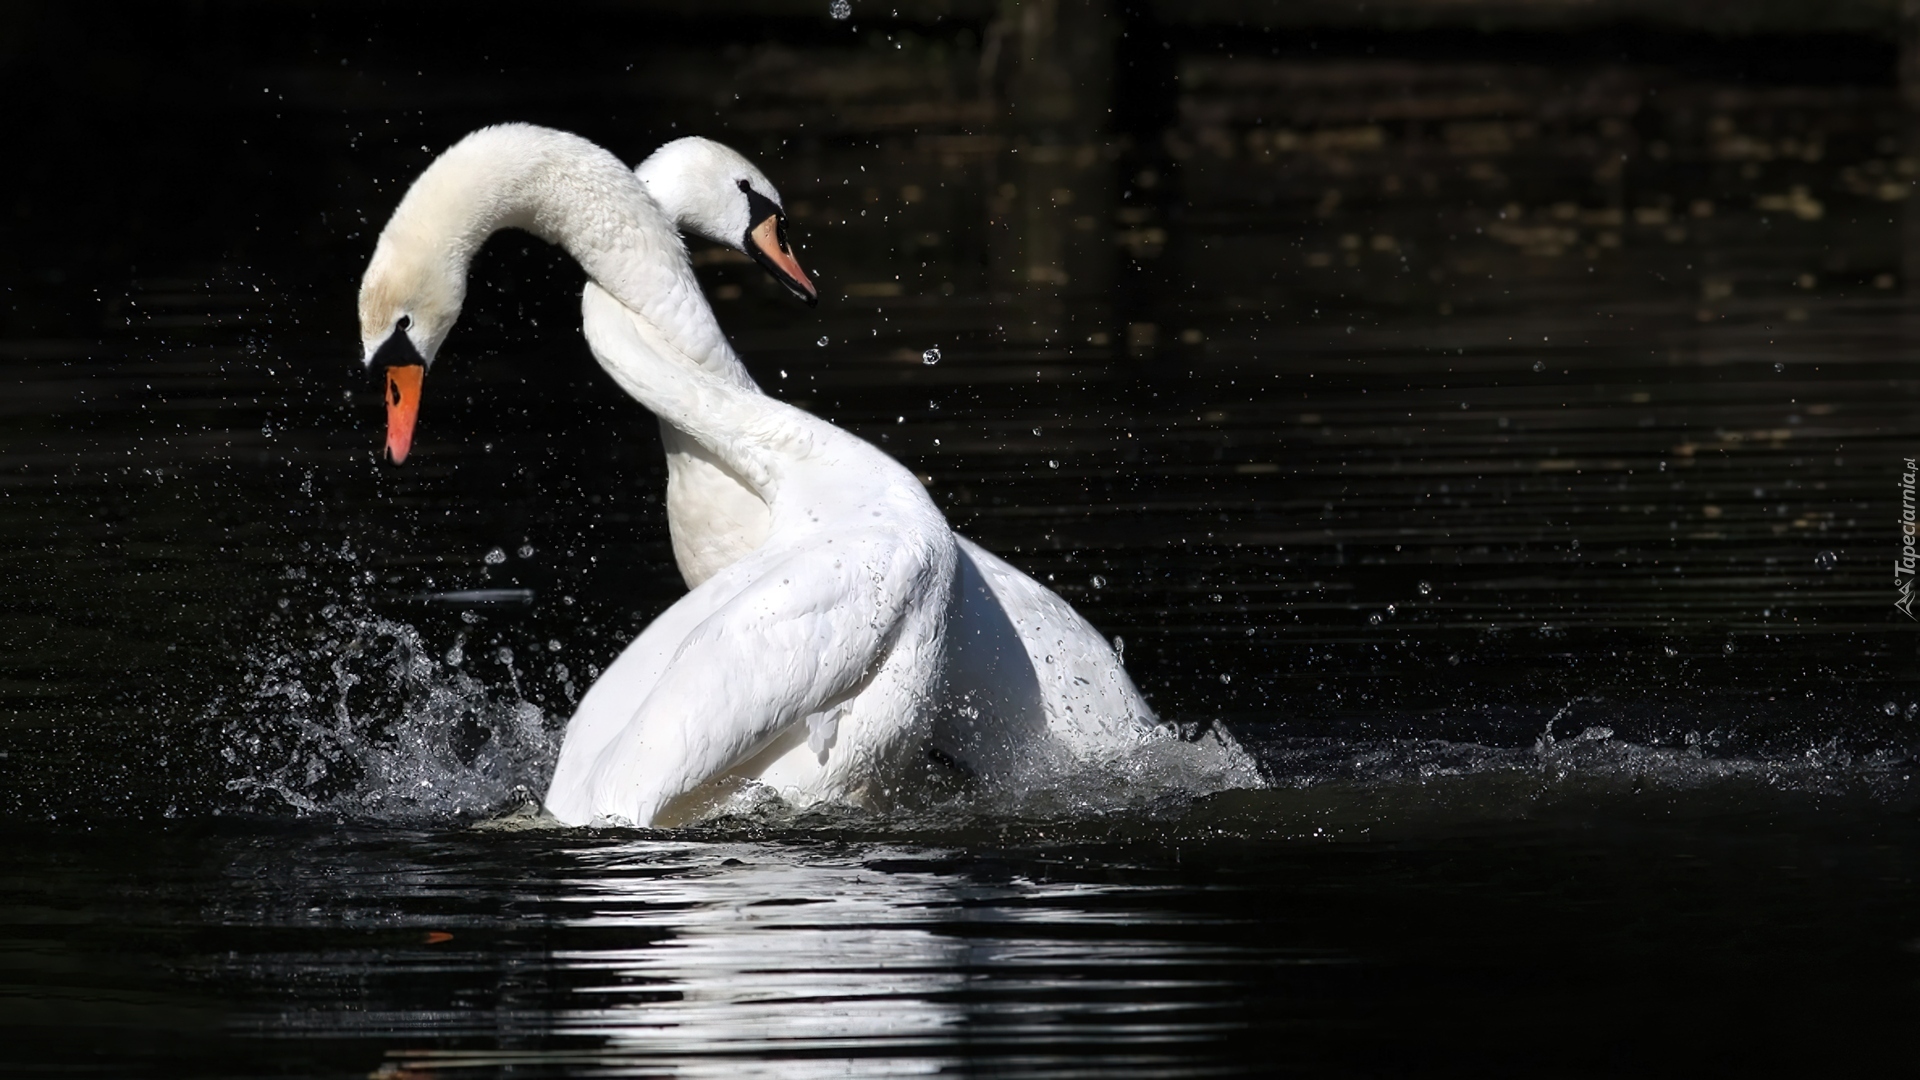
1903	567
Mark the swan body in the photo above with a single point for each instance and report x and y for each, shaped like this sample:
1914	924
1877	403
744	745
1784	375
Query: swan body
837	631
832	629
831	633
1031	685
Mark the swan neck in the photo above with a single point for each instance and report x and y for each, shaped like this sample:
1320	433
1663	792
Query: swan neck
572	193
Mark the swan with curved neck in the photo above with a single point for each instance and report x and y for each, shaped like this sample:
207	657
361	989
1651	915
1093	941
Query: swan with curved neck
1031	685
837	629
810	665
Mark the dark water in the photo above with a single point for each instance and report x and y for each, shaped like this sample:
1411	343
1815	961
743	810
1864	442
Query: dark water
1501	432
1607	934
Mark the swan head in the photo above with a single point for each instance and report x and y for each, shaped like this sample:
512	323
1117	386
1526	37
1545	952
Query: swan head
409	302
711	191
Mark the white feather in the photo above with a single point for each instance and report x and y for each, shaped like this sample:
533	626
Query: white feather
836	626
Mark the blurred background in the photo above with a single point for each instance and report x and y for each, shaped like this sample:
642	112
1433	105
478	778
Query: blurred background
1430	369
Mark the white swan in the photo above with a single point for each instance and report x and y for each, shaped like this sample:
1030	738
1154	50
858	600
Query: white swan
830	597
1031	686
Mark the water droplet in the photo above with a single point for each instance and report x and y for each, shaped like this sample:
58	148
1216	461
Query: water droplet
496	557
1391	610
526	551
1426	588
1217	598
1099	582
1779	367
1120	648
1373	619
841	10
931	356
1826	560
1052	464
822	342
1727	649
1539	365
1225	678
553	645
1049	658
1890	708
1670	650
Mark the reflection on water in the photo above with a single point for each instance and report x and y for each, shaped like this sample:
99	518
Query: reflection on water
1254	932
809	959
782	958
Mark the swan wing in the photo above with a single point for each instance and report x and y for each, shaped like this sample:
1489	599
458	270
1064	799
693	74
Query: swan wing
747	655
1093	712
1091	705
616	695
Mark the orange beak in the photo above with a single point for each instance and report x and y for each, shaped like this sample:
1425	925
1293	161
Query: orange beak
769	249
403	407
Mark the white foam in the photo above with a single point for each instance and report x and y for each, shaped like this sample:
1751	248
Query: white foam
366	722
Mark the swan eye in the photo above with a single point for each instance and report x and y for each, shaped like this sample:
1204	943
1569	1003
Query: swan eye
759	207
405	322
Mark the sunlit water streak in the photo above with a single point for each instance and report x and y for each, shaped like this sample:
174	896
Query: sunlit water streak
747	960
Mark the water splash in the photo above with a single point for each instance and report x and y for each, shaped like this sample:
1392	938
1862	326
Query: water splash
1595	759
1159	779
363	721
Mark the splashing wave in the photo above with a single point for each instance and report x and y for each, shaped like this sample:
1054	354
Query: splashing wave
366	722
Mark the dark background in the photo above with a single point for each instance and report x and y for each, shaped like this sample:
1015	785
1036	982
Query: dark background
1416	370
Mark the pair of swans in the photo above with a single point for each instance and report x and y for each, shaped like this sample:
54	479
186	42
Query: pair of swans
840	643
